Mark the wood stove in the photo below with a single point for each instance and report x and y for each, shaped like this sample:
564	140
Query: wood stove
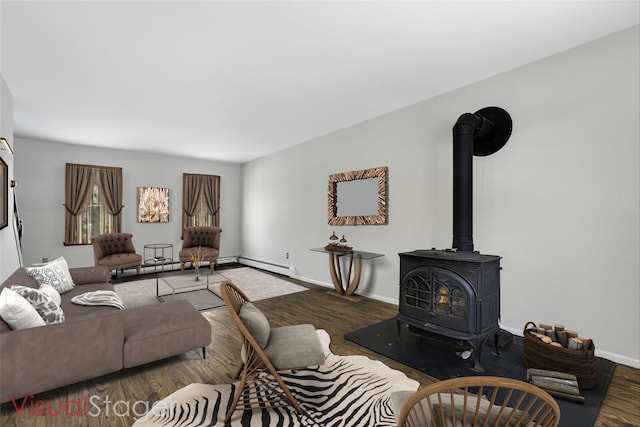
456	292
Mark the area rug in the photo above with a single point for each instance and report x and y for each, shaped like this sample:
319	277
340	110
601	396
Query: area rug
346	391
440	357
258	285
254	283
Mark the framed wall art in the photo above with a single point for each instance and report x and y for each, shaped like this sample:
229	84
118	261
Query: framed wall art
4	194
153	204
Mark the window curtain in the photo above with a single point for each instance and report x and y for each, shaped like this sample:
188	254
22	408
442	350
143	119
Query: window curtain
195	188
211	193
110	181
78	183
191	189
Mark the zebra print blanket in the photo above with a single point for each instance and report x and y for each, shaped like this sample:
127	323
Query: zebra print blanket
347	391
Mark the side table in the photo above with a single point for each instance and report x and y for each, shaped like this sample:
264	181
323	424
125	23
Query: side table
348	286
159	256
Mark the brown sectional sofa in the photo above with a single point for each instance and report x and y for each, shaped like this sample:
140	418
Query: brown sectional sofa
93	340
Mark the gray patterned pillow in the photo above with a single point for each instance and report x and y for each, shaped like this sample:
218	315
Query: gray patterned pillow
52	274
44	305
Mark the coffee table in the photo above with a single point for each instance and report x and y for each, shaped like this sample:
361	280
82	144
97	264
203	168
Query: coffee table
184	286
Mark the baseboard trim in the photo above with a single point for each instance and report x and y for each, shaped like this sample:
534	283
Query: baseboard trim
285	270
364	294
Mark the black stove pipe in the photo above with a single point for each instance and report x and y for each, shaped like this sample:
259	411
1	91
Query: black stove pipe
481	134
463	132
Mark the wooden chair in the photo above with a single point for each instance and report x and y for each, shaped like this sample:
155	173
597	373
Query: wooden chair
265	352
495	401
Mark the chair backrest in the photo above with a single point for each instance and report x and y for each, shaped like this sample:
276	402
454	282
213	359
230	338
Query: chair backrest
480	401
112	243
234	298
201	236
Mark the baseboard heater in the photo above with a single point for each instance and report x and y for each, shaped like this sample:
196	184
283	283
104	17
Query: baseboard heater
269	266
227	259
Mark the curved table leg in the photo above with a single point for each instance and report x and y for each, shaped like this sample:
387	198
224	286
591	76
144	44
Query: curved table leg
336	274
356	277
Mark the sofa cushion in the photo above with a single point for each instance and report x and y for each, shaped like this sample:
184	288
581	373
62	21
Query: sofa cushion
17	312
123	260
43	303
86	275
56	273
153	332
256	322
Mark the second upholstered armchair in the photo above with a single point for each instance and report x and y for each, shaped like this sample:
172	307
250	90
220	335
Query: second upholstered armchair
206	238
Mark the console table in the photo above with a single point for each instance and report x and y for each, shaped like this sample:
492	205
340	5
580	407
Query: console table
347	287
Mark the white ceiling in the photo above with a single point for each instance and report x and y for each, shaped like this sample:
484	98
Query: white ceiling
236	80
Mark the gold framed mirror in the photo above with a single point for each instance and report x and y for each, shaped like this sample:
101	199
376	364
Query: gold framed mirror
358	197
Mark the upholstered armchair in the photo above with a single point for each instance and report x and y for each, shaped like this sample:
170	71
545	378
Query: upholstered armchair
116	251
207	238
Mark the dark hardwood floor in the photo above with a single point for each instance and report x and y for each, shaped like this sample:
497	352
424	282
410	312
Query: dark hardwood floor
118	399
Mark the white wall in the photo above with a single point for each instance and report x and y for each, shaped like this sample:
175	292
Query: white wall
560	202
9	259
40	171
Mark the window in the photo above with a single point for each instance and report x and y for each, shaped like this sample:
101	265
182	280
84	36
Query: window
93	202
200	200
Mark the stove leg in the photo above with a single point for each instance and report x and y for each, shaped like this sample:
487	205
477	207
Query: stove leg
477	367
477	346
496	337
398	326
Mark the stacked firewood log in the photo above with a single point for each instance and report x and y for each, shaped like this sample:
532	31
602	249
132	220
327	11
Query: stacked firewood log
558	336
558	384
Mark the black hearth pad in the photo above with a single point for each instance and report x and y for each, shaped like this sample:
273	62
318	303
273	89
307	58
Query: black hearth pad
436	356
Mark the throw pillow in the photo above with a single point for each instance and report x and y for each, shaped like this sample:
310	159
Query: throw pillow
256	322
52	293
17	312
52	274
65	267
63	263
44	305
